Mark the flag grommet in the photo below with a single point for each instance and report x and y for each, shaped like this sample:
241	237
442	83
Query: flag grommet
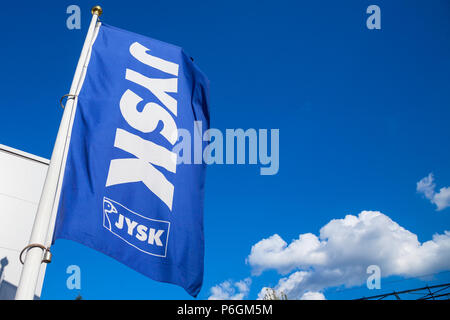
69	96
47	254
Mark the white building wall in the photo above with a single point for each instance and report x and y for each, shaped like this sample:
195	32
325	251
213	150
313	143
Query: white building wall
22	177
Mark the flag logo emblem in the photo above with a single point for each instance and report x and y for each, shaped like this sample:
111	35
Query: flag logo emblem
147	235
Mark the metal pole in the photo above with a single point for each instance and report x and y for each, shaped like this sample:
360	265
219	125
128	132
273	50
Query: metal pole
74	102
33	259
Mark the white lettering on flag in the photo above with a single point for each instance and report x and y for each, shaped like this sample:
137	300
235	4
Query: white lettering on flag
159	87
147	153
147	120
138	51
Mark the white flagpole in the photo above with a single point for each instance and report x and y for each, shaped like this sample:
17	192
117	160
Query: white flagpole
43	220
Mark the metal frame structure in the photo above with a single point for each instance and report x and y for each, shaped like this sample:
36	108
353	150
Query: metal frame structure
436	292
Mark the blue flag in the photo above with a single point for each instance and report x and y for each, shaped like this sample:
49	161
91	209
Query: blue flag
123	193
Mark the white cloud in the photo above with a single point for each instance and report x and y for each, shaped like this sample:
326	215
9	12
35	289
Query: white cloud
311	295
344	249
294	288
441	199
274	253
229	290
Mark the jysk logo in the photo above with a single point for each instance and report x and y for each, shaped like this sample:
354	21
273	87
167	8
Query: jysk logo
147	235
147	154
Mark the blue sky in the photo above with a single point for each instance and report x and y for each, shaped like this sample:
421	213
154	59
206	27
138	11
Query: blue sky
363	116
